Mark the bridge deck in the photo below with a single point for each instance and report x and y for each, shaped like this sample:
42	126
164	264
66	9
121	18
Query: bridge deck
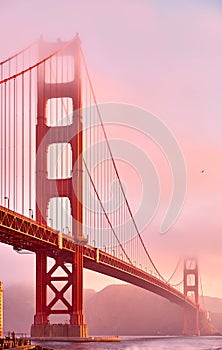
24	233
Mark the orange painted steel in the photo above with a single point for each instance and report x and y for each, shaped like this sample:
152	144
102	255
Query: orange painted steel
25	233
70	188
191	317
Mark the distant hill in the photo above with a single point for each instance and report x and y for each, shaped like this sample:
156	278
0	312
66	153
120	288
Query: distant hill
128	310
213	304
117	309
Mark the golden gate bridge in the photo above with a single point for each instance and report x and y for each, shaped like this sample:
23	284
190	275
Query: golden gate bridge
61	193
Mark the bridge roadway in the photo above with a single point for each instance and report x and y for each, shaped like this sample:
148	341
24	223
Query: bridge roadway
24	233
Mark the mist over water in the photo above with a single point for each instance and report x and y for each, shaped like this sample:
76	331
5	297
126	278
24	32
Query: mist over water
167	58
146	343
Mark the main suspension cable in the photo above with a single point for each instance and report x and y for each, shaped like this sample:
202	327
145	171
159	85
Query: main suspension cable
116	171
104	211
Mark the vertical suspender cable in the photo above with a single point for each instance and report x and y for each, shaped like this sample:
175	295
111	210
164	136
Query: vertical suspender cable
14	145
9	132
63	171
57	148
1	126
23	125
30	141
5	142
23	139
50	121
90	164
16	137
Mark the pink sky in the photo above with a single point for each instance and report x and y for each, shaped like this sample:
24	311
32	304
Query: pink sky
166	58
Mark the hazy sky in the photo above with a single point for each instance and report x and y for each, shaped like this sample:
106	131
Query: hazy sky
164	56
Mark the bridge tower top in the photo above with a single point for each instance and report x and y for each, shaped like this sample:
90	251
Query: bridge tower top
59	130
191	278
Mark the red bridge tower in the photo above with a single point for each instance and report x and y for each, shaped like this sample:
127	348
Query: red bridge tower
191	285
52	84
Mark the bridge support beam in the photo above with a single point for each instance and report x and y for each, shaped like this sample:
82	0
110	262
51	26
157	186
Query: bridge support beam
72	278
191	317
40	317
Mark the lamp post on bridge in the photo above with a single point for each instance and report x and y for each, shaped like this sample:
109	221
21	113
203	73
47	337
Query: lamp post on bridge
7	199
50	219
66	230
31	213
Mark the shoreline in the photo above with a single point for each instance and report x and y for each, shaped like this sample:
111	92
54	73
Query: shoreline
101	339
